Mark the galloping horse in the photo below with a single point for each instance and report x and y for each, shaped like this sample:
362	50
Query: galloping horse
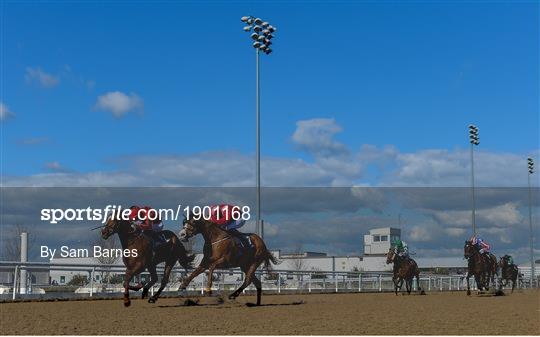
404	269
509	272
482	266
146	259
221	251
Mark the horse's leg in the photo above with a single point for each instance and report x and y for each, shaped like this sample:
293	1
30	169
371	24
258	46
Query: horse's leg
479	282
400	283
168	267
257	284
153	280
127	279
408	285
418	282
191	276
208	290
247	280
395	280
468	284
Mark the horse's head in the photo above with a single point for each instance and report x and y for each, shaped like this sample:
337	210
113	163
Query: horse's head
504	261
190	228
113	226
469	249
391	255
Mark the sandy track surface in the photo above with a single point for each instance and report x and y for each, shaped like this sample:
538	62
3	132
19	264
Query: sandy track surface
435	313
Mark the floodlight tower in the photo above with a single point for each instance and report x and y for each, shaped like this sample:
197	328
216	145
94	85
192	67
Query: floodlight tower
530	167
261	36
474	140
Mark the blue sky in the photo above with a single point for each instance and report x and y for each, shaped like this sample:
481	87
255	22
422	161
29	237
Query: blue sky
410	75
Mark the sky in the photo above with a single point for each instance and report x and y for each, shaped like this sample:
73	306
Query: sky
355	94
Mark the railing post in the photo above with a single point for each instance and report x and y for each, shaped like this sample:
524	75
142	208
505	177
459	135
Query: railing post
202	284
336	282
279	283
92	281
429	283
380	282
440	283
15	282
359	282
309	283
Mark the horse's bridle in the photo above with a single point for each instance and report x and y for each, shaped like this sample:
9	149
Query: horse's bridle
193	228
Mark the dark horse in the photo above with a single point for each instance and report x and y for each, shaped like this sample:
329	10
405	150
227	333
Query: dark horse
509	272
482	266
405	269
145	259
222	251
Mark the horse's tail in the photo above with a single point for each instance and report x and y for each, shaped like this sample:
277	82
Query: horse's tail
270	259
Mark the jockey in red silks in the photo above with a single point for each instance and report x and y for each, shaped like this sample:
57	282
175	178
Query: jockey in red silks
147	219
483	247
229	218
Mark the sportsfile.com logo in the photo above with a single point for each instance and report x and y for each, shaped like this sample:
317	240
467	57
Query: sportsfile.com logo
55	215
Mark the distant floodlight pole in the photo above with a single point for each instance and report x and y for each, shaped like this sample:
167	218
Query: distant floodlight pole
530	166
474	140
261	36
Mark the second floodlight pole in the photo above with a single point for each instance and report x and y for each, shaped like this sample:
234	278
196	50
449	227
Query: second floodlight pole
472	192
258	143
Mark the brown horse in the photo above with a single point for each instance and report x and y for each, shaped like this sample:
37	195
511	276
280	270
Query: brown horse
509	272
405	269
482	266
135	240
222	251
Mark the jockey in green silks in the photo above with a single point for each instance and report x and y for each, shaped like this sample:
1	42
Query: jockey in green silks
401	248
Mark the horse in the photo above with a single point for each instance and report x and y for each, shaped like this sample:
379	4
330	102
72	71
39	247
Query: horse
145	258
221	251
405	268
509	272
482	266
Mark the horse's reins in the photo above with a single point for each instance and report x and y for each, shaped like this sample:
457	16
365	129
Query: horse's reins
98	227
218	241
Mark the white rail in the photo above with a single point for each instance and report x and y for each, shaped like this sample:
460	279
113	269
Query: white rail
279	281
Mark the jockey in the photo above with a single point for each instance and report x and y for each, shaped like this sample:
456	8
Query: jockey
401	248
483	247
509	260
141	218
229	218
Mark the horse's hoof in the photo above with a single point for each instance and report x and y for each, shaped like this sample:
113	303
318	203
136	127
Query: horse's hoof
232	297
127	303
152	300
468	293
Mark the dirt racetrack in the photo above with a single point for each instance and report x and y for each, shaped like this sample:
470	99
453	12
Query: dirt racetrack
446	313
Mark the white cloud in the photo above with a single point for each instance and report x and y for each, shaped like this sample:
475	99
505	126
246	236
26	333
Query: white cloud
445	168
119	104
5	113
40	77
316	136
505	215
420	234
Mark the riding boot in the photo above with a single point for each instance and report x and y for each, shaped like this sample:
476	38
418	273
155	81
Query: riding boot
243	240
